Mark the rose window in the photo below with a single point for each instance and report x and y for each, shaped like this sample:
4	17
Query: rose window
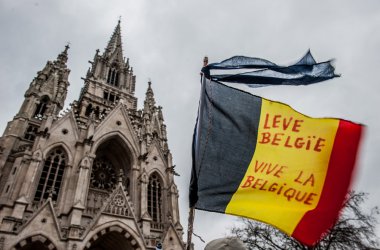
119	200
103	175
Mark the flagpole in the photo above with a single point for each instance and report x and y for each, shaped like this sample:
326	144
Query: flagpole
192	209
190	227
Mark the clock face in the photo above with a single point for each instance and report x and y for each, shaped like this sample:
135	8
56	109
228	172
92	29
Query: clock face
103	175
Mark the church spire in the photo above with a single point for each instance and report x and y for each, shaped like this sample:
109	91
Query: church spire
149	102
114	43
48	90
62	57
109	79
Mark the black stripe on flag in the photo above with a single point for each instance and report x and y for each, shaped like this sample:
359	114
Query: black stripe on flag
224	142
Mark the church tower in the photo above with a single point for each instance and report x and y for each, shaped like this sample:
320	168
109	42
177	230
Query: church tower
96	176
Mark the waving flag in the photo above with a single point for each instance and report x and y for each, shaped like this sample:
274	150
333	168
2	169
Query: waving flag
263	72
261	159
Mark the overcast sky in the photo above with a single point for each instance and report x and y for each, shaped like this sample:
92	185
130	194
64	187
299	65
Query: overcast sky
166	42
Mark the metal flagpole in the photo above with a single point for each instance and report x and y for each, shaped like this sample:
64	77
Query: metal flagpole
192	209
190	227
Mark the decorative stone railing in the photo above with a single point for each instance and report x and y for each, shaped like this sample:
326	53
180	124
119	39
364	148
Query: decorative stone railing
95	201
157	226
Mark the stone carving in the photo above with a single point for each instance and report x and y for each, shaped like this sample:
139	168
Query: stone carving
95	201
118	204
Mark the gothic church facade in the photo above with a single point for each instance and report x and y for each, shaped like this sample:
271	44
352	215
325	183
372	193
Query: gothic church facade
98	176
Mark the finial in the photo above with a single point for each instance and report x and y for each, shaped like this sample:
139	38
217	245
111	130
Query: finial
51	192
149	82
88	72
62	57
119	20
67	46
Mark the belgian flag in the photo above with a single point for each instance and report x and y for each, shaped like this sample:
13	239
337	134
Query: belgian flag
261	159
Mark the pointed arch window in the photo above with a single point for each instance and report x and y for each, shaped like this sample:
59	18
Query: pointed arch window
89	110
31	132
41	107
112	164
154	198
51	176
97	111
113	77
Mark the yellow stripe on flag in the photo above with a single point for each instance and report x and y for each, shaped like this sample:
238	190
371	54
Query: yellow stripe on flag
286	175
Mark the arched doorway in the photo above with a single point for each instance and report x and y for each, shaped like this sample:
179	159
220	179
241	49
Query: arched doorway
37	242
111	241
112	238
38	245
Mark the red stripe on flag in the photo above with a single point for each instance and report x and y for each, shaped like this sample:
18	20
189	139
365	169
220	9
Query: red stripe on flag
342	161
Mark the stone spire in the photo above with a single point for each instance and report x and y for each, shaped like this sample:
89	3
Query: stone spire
115	42
109	80
47	92
153	126
149	102
62	58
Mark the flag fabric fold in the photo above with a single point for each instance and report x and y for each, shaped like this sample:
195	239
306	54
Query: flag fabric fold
261	159
305	71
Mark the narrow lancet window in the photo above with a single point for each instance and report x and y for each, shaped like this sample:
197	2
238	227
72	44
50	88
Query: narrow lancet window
41	107
51	176
113	77
31	132
154	198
